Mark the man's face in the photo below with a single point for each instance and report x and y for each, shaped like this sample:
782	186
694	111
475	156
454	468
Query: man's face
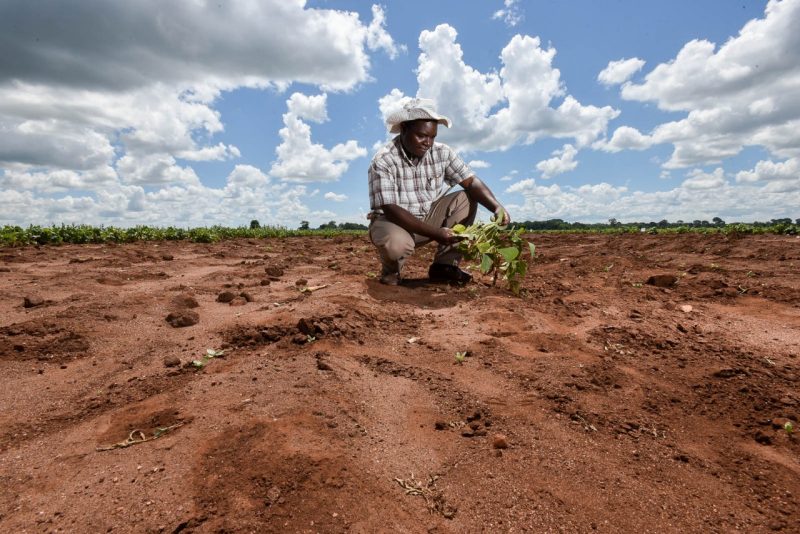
417	136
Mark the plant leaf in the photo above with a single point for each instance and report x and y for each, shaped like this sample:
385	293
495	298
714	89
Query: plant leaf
484	247
486	263
509	253
532	249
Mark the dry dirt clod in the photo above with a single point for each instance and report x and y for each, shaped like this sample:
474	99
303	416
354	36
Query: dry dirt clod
172	361
323	366
276	272
32	301
500	441
763	438
662	280
184	300
183	318
238	301
226	296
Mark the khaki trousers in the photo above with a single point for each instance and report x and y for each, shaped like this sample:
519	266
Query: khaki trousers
395	244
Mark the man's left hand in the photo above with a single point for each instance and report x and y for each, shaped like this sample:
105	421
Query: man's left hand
501	214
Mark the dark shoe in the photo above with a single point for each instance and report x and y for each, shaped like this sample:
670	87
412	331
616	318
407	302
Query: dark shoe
441	272
390	278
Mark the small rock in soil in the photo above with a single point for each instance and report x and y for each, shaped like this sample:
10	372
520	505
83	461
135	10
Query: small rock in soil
265	282
763	439
226	296
499	441
779	422
300	339
277	272
185	301
474	417
32	301
246	296
440	425
662	280
306	326
172	361
167	257
183	318
449	512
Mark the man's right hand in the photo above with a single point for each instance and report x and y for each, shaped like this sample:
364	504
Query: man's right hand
446	236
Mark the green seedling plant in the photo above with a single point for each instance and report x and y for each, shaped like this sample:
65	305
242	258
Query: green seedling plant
460	356
497	248
789	428
207	357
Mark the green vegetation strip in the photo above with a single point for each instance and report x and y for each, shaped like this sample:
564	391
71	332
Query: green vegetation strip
16	236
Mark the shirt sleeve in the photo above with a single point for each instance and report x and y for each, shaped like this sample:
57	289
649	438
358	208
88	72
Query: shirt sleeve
456	171
382	185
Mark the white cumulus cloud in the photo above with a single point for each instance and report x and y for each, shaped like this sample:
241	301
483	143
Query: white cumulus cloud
705	180
625	138
620	71
479	164
782	175
335	197
103	113
742	93
564	161
301	160
510	14
523	102
602	201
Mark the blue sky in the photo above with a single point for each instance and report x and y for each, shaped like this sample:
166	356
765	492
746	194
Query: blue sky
192	113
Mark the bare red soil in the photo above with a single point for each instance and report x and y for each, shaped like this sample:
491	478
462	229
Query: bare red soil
595	402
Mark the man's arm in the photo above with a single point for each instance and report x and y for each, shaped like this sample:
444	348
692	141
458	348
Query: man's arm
480	193
403	218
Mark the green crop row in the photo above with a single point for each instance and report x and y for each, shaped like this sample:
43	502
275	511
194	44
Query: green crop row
737	228
81	234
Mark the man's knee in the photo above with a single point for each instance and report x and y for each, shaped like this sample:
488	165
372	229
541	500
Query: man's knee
464	208
392	241
397	246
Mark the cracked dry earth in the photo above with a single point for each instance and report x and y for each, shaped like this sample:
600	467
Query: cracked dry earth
597	402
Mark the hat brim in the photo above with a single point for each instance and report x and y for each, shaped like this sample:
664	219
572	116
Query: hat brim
395	126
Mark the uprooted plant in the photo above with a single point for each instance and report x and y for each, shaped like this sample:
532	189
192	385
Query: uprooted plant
498	248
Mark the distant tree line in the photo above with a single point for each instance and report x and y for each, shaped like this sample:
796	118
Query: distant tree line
716	222
304	225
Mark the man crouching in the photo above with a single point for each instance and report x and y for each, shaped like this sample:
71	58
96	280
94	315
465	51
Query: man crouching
409	207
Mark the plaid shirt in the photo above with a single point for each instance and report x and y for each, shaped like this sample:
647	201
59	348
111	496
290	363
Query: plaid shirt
394	179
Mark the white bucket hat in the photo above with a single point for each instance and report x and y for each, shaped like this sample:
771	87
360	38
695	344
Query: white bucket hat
416	108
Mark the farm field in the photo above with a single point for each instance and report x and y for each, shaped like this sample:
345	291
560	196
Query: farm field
274	385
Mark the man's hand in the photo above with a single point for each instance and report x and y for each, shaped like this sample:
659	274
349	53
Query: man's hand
446	236
481	194
501	215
